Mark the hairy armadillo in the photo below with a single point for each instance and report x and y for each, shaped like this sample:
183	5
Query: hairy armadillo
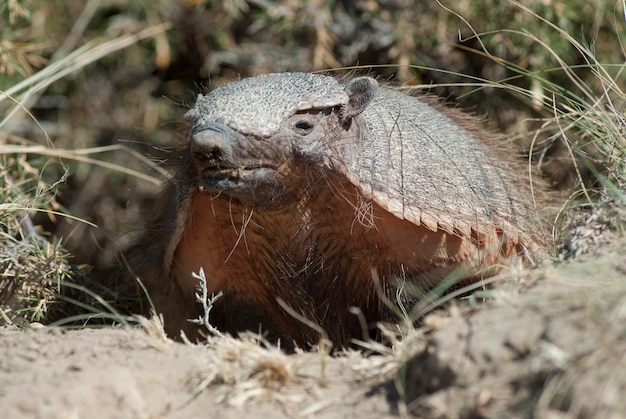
299	188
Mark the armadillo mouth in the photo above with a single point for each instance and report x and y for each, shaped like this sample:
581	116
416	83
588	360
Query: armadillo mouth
235	180
219	174
234	171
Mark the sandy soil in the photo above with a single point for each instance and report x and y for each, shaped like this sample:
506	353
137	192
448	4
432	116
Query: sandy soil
554	347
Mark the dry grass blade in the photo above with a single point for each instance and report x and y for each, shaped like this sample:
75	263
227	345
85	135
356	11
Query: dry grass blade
18	207
81	156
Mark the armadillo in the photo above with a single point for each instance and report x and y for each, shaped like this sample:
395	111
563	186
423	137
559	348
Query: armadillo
300	193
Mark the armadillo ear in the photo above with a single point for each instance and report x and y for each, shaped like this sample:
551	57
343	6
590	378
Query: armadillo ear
361	91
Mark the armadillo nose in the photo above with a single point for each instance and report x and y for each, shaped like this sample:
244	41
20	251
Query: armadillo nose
210	146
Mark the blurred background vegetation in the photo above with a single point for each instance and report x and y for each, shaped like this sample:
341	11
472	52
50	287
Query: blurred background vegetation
94	85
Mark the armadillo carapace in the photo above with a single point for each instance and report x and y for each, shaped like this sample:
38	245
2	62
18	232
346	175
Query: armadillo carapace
325	195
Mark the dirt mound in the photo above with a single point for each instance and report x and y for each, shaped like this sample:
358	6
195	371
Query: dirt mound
556	351
110	373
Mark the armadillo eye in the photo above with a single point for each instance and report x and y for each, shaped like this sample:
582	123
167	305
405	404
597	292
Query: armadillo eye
303	127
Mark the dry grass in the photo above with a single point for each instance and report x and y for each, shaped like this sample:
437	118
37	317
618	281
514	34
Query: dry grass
34	270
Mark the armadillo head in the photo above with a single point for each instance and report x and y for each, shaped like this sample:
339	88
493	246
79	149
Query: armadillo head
251	139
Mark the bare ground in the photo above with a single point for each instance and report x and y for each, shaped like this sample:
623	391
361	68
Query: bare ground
552	346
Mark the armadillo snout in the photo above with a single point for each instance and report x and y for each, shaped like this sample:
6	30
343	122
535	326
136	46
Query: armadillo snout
211	146
226	163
